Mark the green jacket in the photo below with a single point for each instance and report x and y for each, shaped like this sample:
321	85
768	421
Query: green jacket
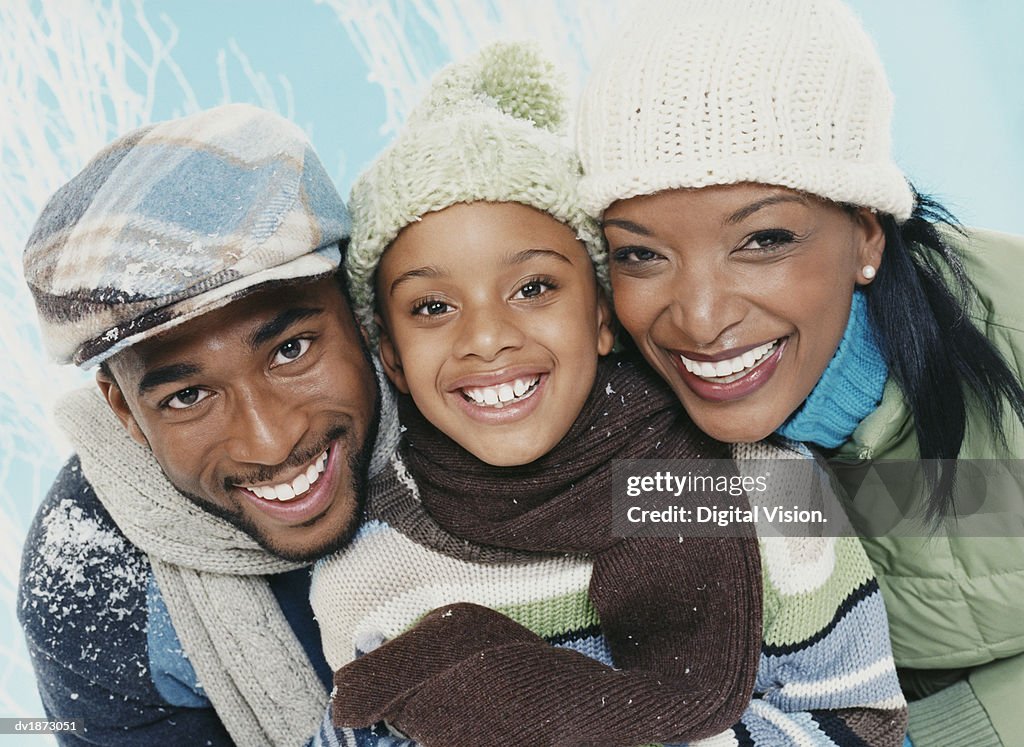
957	603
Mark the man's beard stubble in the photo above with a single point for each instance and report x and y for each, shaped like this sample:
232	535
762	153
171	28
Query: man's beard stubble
358	464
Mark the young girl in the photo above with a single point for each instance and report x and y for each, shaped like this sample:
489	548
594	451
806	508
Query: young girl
744	178
469	244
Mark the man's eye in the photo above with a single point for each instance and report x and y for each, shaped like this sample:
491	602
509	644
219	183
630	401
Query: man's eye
187	398
290	351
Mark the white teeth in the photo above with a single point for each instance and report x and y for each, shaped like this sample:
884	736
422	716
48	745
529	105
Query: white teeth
501	394
726	371
290	490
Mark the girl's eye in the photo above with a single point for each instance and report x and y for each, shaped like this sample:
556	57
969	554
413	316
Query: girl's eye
534	288
431	307
766	241
291	351
186	398
628	255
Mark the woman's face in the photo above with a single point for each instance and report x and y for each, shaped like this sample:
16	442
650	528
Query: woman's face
738	295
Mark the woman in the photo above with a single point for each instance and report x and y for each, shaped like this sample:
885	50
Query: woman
772	263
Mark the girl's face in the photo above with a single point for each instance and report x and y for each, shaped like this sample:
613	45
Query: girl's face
492	321
738	295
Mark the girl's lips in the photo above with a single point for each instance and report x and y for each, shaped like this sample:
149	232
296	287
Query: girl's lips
507	412
310	504
494	378
741	387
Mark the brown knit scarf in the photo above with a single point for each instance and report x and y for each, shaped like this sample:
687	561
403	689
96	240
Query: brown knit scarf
682	618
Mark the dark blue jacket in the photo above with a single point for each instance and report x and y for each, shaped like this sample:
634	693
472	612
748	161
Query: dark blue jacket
101	639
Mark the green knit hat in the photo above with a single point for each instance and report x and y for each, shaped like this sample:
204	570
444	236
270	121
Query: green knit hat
490	129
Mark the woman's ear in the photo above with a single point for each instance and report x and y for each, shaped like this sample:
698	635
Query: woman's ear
112	393
871	246
390	358
605	322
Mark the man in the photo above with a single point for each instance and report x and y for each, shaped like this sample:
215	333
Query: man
164	580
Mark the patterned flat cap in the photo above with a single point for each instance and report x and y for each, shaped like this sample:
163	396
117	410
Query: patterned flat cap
174	220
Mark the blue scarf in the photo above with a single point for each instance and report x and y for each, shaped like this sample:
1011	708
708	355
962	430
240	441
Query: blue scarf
848	391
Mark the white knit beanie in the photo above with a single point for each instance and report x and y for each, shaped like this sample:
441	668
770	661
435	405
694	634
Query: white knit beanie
696	93
490	129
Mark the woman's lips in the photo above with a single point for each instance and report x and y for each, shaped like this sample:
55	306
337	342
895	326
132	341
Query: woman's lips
733	377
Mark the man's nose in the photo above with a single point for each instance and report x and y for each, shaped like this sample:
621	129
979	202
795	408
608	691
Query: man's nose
265	426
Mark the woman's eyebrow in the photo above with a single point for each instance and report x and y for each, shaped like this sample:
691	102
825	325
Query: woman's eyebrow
747	210
626	225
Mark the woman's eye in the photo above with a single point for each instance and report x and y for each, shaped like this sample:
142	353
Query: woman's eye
769	240
290	351
533	289
187	398
634	255
431	308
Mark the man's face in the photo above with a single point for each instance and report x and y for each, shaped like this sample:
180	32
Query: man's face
262	412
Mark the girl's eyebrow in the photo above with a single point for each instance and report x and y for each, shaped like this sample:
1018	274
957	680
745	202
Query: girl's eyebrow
526	255
626	225
429	271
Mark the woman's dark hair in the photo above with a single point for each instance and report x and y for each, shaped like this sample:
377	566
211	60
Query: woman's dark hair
918	304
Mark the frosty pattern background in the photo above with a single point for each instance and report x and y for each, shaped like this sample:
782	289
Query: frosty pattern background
74	74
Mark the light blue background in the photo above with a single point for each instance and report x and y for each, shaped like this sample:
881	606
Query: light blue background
955	67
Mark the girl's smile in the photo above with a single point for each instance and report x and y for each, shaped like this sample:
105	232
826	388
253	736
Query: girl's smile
492	321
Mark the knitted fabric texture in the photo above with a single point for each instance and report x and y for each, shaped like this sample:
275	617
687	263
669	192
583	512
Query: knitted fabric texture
695	93
174	220
825	675
210	574
849	389
681	618
490	129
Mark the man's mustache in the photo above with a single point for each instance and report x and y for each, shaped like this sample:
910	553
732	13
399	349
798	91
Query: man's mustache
300	455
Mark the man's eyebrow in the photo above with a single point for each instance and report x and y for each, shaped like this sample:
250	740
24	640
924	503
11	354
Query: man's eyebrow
166	375
626	225
271	329
537	252
747	210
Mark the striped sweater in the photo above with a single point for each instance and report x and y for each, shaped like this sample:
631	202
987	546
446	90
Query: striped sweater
826	675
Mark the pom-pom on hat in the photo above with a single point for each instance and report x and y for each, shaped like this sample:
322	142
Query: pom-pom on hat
694	93
174	220
490	129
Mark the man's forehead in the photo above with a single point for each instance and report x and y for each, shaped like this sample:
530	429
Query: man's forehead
245	321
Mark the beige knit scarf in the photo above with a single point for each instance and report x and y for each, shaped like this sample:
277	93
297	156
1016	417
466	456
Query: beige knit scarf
211	576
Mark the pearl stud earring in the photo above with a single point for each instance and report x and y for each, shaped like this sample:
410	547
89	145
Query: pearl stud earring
867	271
